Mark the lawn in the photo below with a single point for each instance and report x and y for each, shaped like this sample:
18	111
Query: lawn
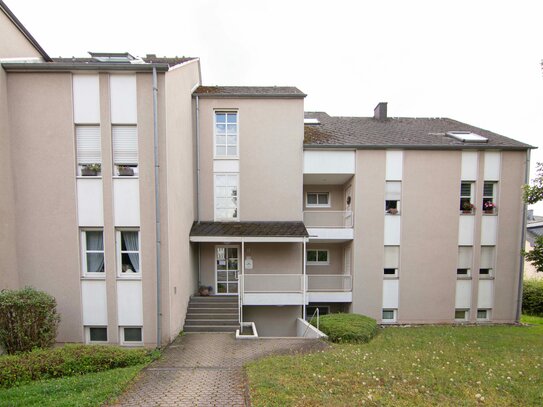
417	366
92	389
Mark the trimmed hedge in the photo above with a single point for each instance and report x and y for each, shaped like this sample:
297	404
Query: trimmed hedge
28	320
68	360
532	298
348	328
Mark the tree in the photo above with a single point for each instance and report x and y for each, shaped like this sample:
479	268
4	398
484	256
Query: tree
531	195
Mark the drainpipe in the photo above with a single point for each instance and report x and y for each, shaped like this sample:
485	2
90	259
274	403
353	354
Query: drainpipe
522	242
157	211
304	277
198	184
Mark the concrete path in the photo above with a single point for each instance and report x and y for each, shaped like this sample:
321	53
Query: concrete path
206	369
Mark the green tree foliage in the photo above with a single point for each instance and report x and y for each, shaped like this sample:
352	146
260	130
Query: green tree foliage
531	195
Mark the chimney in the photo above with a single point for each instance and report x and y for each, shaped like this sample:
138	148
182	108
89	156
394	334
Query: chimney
530	214
380	111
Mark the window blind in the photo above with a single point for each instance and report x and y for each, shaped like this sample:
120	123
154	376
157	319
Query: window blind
487	257
393	191
392	257
125	145
465	257
88	145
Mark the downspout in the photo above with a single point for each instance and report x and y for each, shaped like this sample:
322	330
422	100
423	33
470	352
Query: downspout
198	183
304	278
157	212
522	242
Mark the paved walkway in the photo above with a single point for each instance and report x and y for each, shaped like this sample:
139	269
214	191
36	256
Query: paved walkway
206	369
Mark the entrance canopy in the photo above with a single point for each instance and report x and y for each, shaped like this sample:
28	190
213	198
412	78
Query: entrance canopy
248	232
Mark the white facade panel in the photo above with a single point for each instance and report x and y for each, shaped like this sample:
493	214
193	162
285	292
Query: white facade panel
123	99
485	298
330	297
463	294
489	229
90	202
392	230
469	166
273	299
94	301
126	200
226	166
390	293
394	165
492	165
86	94
466	228
129	303
316	234
329	162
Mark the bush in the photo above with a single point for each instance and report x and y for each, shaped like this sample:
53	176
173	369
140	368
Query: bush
348	328
68	360
28	319
532	297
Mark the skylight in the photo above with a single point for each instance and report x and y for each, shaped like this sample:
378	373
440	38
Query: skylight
467	137
311	121
119	57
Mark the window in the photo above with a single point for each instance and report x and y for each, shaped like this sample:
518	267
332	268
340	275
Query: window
95	334
487	262
393	192
389	315
92	244
128	253
89	150
318	199
310	310
465	260
226	134
131	336
391	261
466	197
461	315
483	314
489	197
125	150
226	197
318	257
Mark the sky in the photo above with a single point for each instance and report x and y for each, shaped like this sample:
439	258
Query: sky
478	62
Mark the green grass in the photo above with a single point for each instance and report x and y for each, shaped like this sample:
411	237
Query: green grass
92	389
528	319
417	366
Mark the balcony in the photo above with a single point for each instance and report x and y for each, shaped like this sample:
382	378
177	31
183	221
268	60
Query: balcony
329	225
329	288
272	289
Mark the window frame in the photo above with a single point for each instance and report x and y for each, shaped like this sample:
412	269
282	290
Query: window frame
317	262
466	315
317	205
83	243
488	276
393	209
88	340
79	165
493	198
391	276
119	253
115	165
394	315
124	342
463	276
226	156
471	197
215	197
487	317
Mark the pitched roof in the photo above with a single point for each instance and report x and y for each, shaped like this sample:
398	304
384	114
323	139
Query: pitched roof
260	229
404	132
249	92
149	59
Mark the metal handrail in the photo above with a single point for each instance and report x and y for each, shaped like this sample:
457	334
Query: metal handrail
311	319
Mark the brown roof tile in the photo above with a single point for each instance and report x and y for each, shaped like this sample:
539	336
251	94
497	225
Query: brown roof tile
270	229
250	91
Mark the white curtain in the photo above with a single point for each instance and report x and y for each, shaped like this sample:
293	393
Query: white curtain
132	244
95	261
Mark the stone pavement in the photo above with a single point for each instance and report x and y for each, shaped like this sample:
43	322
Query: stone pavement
206	369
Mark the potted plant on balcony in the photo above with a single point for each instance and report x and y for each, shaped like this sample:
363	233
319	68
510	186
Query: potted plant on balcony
489	207
467	207
125	171
205	290
91	170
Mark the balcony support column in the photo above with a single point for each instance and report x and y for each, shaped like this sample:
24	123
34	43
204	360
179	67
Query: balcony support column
304	278
241	285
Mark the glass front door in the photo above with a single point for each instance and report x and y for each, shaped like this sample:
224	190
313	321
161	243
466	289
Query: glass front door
227	269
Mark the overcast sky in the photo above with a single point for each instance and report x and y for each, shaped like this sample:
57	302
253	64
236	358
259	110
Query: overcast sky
473	61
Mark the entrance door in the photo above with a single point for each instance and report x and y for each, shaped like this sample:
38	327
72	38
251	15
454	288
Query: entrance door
227	269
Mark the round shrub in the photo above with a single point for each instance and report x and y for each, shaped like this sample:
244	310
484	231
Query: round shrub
532	297
348	328
28	320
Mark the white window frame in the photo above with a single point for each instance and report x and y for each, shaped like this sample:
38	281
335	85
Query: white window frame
134	167
494	195
488	276
466	315
226	156
84	251
463	276
123	342
394	316
80	165
119	253
317	205
398	201
391	276
215	197
87	334
317	262
471	196
488	314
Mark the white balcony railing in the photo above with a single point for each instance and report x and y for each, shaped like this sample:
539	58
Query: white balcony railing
329	283
328	219
272	283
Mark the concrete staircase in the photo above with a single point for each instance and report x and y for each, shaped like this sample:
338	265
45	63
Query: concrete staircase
212	314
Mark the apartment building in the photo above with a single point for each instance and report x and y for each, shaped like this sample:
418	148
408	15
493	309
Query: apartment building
127	185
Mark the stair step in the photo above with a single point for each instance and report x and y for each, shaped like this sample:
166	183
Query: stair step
212	305
207	310
230	315
215	299
196	322
211	328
